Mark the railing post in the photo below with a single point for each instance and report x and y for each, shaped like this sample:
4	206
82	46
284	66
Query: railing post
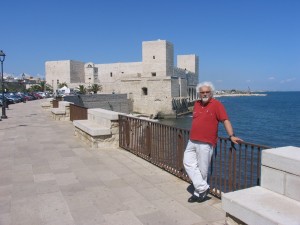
148	140
180	150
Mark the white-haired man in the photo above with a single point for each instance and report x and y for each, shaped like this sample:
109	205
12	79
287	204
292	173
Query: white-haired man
207	114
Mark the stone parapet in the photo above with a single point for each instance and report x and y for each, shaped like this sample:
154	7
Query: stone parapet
277	200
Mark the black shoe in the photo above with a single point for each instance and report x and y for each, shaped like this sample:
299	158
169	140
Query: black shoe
201	198
204	194
193	199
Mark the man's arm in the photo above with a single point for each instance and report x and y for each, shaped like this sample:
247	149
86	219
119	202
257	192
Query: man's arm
230	133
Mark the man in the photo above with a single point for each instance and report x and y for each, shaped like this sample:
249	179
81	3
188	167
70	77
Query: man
207	114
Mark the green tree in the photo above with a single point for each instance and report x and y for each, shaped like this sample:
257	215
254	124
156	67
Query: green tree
35	87
43	85
60	85
81	89
48	87
95	88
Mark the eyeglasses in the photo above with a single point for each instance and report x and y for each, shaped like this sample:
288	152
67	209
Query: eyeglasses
204	92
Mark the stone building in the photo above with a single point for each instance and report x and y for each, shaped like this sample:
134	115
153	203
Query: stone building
151	84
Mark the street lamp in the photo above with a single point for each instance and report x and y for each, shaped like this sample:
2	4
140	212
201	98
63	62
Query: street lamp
24	85
2	58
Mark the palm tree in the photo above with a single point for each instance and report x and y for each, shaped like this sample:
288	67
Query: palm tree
81	89
60	85
95	88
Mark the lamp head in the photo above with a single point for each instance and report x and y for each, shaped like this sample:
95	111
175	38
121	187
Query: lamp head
2	56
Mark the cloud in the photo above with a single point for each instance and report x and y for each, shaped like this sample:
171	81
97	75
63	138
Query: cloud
219	81
271	78
248	81
288	80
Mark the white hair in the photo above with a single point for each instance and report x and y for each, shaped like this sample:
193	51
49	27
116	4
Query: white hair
206	84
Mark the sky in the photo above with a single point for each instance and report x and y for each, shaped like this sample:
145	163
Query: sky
241	44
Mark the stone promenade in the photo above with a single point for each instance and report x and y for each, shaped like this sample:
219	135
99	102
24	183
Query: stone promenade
49	177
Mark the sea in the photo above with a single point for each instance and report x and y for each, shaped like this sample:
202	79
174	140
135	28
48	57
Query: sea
272	120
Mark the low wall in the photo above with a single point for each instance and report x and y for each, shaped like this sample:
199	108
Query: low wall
112	102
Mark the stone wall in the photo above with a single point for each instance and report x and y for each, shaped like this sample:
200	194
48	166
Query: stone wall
112	102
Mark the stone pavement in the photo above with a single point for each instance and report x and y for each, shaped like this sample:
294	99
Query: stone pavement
49	177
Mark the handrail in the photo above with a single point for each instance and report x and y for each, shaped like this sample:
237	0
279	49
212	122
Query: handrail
233	167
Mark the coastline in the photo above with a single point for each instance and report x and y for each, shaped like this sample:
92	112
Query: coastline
238	95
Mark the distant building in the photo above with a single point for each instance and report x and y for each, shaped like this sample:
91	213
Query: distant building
151	84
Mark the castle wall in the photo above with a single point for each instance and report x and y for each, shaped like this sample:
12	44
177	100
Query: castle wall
68	71
150	84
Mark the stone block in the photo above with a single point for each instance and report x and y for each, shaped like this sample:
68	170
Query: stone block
285	158
273	179
258	205
91	128
292	186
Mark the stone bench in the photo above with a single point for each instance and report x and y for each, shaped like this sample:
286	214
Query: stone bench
260	206
62	112
101	128
277	200
47	103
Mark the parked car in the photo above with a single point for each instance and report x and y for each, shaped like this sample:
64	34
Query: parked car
23	97
8	99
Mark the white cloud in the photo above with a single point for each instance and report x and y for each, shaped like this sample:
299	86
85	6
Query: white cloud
288	80
271	78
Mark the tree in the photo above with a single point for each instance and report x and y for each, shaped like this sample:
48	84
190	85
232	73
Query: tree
81	89
48	87
35	87
43	85
95	88
60	85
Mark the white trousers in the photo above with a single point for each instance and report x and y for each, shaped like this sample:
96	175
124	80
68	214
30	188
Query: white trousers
196	160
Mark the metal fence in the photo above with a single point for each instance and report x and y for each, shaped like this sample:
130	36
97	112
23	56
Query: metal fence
232	167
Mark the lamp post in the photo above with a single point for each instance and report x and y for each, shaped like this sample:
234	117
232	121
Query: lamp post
24	85
2	58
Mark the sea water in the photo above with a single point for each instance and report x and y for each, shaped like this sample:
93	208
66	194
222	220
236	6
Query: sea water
272	120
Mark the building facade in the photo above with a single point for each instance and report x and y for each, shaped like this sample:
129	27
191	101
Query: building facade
151	84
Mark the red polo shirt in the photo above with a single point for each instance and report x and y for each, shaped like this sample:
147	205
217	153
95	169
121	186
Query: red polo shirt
205	121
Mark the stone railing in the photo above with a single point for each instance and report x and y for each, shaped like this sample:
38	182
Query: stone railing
277	200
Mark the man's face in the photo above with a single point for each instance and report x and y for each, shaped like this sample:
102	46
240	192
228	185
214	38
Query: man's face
205	94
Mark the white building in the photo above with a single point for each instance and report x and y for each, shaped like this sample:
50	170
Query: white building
152	84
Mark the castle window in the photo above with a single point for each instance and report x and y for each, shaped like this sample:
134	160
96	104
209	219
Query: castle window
153	74
154	57
145	91
89	66
110	74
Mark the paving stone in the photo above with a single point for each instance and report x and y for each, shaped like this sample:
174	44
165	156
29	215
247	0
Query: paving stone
49	177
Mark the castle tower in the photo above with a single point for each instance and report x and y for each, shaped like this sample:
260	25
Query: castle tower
188	62
158	58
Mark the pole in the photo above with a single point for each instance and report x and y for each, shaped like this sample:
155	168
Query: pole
3	99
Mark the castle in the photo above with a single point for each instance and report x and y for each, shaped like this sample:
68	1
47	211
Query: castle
152	84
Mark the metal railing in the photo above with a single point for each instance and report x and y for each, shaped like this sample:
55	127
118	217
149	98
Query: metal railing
77	112
232	167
